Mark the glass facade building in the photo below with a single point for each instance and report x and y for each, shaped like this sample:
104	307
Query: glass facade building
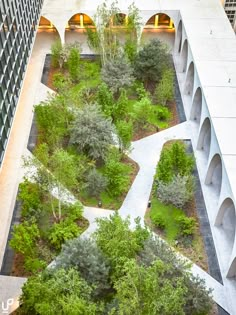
18	23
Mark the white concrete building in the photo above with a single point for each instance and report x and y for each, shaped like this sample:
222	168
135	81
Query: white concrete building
204	53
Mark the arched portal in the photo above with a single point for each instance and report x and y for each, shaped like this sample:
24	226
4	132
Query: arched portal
196	109
75	30
232	269
214	174
47	31
79	20
227	220
184	57
179	35
160	26
204	139
189	82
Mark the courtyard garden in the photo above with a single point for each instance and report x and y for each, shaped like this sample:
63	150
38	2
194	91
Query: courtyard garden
85	130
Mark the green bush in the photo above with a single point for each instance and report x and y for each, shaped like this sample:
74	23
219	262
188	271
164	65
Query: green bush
74	211
56	50
159	221
162	113
63	231
34	265
165	89
187	225
29	195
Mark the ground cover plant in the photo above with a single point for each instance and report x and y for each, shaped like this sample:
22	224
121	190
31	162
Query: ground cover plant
118	271
173	213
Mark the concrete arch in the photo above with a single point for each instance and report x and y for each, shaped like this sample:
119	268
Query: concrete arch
80	20
160	20
204	139
226	217
179	37
184	57
196	109
189	82
232	269
46	25
214	174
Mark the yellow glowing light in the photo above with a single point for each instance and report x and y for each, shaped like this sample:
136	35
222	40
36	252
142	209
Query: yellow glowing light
156	21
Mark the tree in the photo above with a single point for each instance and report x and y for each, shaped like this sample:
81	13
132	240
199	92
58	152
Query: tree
117	74
198	297
165	89
63	291
125	133
95	183
117	242
56	49
149	290
151	62
174	161
116	173
177	192
142	110
105	100
91	133
74	64
54	172
60	53
84	255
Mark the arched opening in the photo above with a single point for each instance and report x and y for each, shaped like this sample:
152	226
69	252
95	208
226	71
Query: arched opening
75	30
204	139
214	174
119	20
79	20
189	82
179	38
160	26
226	220
184	57
196	109
47	32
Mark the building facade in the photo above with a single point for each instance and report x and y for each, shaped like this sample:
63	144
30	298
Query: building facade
18	23
230	10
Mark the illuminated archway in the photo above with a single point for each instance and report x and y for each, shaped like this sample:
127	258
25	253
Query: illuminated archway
160	26
47	27
204	140
196	109
80	20
119	20
214	174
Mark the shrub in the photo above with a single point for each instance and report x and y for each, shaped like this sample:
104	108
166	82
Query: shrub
162	113
34	265
56	50
95	183
63	231
187	225
105	100
74	64
177	192
29	195
165	89
159	221
74	211
142	110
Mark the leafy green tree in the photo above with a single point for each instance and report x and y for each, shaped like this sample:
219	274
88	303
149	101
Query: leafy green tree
84	255
117	174
165	89
95	183
74	64
118	242
142	111
24	238
105	100
92	133
174	161
122	107
149	290
56	50
198	297
63	291
125	133
151	62
117	74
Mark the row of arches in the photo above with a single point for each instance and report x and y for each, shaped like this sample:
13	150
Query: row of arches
226	215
